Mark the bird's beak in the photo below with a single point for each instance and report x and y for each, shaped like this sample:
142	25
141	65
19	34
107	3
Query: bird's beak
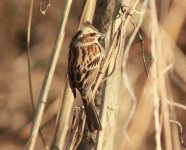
101	39
101	36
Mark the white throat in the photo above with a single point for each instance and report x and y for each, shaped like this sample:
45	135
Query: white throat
87	43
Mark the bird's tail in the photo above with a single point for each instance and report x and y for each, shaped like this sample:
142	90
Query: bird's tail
92	118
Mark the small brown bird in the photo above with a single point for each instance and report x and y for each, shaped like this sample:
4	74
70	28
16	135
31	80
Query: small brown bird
85	57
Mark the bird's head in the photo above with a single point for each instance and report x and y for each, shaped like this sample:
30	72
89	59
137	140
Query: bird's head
88	33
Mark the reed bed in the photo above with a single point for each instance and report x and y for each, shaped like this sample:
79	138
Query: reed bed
141	103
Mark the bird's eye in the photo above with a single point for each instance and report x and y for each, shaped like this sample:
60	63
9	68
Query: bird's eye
92	34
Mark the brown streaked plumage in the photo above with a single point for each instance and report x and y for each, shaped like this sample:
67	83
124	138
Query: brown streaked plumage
85	57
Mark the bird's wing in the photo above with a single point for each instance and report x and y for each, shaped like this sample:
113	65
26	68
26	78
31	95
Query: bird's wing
71	78
91	65
94	57
84	64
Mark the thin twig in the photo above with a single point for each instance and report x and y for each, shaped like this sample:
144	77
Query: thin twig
28	52
142	49
156	99
180	131
177	105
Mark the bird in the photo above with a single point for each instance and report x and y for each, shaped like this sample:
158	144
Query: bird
86	54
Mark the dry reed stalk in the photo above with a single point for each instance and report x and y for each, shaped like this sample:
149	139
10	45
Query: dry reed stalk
111	89
173	30
170	31
110	105
29	66
170	47
156	99
103	21
67	100
109	108
63	120
161	60
161	70
169	56
88	12
48	76
28	52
